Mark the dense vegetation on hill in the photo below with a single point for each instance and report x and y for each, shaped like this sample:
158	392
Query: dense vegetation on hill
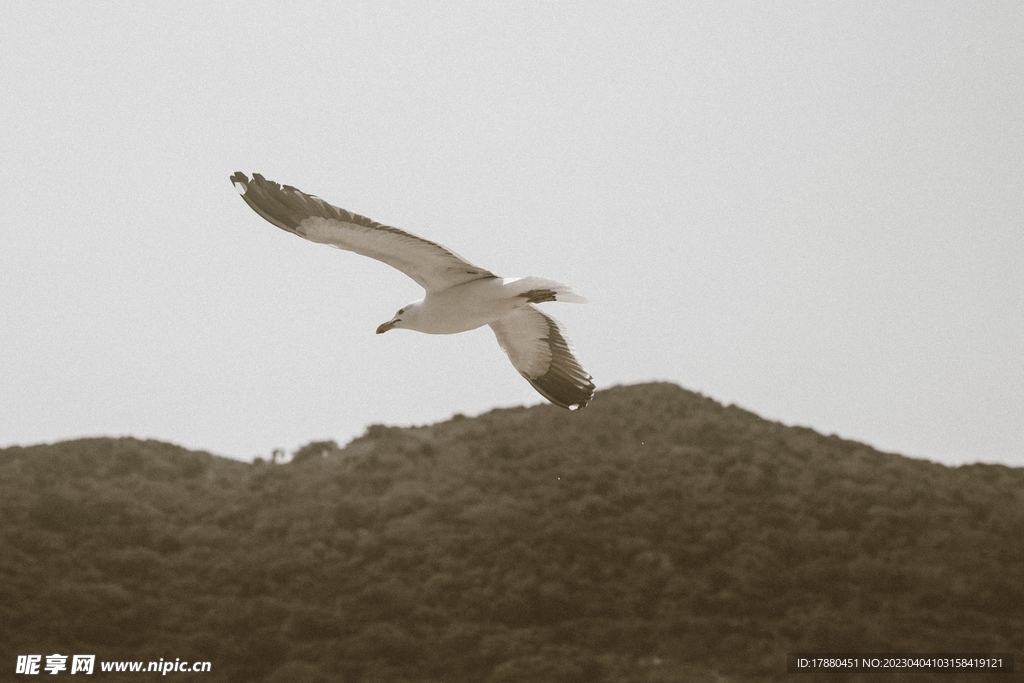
655	536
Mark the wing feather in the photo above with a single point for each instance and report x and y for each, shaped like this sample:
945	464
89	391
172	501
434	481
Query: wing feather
539	349
432	265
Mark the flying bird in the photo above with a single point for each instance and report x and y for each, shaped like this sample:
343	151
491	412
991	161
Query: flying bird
459	296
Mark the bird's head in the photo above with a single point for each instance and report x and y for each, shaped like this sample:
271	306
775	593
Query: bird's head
406	317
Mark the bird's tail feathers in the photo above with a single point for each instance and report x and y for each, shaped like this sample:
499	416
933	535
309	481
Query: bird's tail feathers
537	290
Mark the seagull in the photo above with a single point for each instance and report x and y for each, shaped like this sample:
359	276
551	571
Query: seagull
459	296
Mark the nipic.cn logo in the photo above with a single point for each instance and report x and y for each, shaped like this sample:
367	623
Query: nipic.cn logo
31	664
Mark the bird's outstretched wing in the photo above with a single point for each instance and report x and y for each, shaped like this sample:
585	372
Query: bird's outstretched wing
540	351
431	265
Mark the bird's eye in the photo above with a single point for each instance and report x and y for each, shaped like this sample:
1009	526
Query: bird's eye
401	311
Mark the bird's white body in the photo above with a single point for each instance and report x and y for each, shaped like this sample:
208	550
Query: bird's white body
459	308
473	304
459	296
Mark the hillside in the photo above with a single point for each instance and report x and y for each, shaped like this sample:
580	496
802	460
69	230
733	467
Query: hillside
655	536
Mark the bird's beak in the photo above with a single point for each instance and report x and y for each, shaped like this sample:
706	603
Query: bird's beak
385	327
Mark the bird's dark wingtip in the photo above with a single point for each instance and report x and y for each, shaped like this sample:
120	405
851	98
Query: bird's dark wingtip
572	393
240	181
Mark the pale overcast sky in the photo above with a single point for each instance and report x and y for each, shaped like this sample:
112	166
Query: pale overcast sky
812	210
